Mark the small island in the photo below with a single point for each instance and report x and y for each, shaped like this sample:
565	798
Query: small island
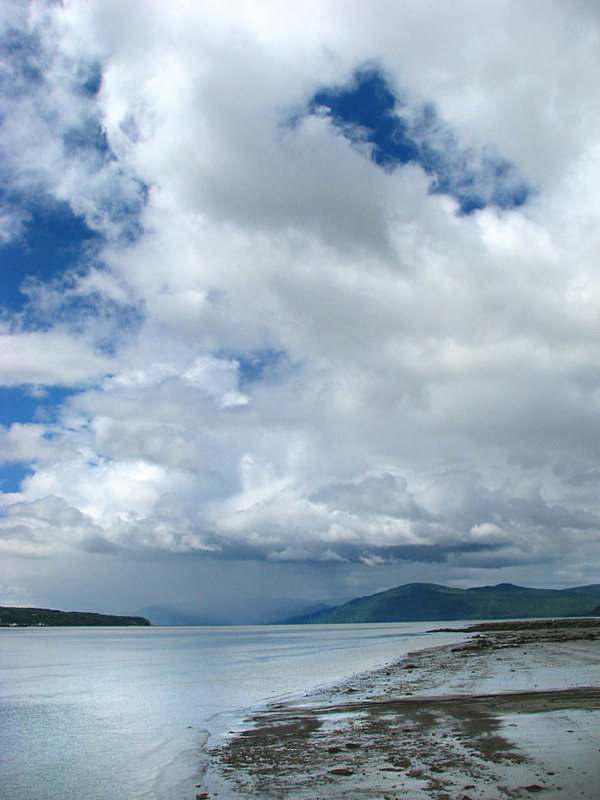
48	617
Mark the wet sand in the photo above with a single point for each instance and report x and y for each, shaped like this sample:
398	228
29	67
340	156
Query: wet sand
512	712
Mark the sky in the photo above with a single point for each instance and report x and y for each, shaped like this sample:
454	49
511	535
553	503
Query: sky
299	301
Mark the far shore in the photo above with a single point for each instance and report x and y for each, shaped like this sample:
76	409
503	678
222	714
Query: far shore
512	712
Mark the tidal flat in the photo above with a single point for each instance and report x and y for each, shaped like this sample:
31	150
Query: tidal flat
512	712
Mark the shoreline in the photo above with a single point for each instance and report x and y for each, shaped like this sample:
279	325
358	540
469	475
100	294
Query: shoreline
512	711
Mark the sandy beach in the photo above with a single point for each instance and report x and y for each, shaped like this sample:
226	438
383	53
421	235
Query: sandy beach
513	711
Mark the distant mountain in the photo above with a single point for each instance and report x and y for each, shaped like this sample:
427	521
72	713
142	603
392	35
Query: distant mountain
51	617
425	602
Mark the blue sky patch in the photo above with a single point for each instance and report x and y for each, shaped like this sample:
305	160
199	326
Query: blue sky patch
92	80
367	111
11	476
20	52
254	366
88	137
54	240
20	405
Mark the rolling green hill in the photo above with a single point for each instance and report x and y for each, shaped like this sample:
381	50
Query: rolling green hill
51	617
424	602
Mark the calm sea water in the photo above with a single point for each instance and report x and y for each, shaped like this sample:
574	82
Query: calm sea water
105	713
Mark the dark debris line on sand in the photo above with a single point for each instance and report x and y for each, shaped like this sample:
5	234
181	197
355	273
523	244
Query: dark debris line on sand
396	736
